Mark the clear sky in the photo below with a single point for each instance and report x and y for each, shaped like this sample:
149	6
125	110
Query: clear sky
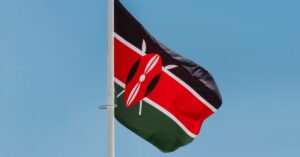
53	75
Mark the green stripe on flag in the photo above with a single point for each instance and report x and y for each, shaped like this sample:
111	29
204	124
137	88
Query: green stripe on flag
153	125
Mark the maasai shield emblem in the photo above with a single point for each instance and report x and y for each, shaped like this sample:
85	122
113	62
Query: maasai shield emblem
142	78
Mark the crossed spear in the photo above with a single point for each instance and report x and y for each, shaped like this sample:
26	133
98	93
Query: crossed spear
149	67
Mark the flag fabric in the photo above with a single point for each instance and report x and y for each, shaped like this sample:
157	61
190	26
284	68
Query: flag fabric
160	95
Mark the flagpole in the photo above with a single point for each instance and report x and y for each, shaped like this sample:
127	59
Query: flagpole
110	86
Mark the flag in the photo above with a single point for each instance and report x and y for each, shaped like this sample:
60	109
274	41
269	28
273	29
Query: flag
161	96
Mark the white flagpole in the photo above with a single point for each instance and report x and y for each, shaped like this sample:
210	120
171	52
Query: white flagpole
110	64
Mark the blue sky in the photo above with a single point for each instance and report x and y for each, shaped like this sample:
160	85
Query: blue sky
53	75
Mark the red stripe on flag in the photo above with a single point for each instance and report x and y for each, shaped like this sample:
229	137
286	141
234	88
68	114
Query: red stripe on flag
168	93
176	99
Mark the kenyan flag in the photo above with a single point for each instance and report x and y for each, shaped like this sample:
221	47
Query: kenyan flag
160	95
